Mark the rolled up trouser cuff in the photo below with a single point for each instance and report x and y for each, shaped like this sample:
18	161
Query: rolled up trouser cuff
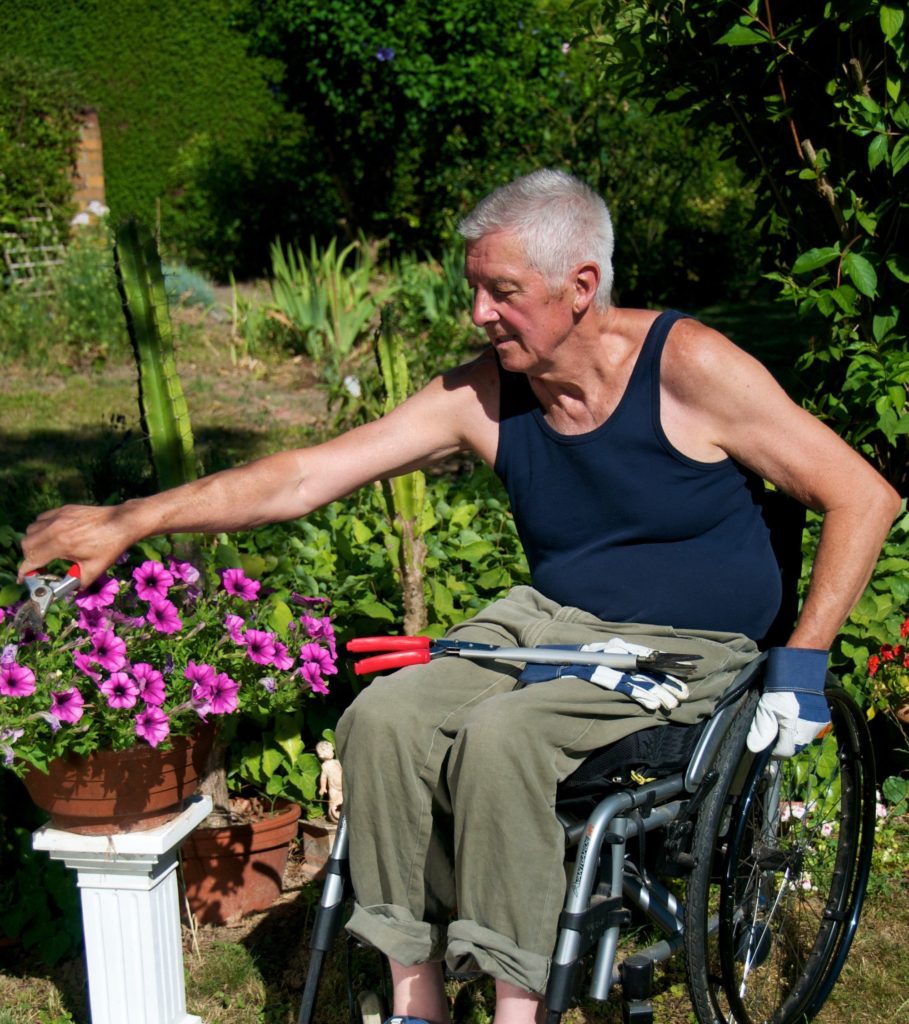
393	931
472	947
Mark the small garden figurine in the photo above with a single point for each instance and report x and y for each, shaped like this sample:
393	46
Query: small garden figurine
330	781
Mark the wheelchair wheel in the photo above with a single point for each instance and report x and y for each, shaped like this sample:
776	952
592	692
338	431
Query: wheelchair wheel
796	843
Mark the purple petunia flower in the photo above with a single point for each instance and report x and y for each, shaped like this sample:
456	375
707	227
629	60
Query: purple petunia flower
385	53
162	614
8	654
260	646
16	680
152	725
99	594
121	690
268	683
108	650
312	601
318	628
152	580
237	584
150	681
67	705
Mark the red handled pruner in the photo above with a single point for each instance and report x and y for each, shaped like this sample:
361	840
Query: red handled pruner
418	650
43	590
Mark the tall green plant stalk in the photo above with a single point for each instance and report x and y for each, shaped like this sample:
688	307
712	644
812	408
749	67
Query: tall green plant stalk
162	404
405	496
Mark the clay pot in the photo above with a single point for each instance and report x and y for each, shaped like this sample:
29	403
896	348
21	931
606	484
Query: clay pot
235	870
318	835
118	791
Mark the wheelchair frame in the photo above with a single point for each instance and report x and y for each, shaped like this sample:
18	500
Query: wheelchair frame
723	782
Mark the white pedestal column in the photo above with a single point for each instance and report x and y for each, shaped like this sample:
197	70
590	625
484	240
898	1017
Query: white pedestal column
131	917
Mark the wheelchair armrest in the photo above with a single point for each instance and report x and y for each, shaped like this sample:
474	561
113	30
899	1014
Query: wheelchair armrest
718	724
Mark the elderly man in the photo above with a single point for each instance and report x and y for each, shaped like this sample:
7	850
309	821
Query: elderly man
633	445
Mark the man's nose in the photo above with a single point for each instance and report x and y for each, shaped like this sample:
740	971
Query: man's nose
484	311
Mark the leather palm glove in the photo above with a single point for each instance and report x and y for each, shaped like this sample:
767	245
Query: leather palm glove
793	709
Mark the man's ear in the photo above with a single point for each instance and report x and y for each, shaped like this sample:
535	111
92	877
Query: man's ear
585	279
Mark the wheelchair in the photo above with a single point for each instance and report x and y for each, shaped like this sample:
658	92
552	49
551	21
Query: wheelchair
753	869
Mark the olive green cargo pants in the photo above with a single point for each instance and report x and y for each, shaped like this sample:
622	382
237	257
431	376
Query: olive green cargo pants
450	774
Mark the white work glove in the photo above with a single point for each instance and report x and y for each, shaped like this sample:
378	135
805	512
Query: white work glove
793	709
653	692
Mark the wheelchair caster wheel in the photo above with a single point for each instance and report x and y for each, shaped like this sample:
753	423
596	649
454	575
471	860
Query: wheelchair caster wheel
371	1009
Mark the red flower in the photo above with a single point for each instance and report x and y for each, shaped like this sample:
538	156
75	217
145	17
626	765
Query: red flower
887	652
904	629
874	663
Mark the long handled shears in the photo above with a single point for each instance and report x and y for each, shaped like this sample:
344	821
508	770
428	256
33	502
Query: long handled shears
399	651
43	590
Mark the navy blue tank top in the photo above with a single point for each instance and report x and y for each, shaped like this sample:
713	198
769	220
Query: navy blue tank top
620	523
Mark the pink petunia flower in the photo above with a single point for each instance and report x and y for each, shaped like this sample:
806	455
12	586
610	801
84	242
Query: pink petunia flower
162	614
321	657
260	646
16	680
67	705
152	580
99	594
2	614
237	584
121	690
93	620
108	650
223	697
200	674
83	663
283	659
183	571
234	624
152	725
318	629
150	681
313	677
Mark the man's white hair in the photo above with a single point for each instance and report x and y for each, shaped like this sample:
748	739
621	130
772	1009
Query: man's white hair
559	220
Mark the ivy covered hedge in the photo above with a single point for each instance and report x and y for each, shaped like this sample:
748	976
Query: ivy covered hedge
157	74
40	114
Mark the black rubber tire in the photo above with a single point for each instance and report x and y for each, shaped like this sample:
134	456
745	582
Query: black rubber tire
783	876
703	890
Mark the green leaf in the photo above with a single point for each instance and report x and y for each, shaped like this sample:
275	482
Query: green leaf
891	21
281	617
861	273
271	761
877	151
900	156
743	35
374	609
815	258
899	266
10	593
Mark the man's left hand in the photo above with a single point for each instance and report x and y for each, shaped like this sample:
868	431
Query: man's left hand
793	709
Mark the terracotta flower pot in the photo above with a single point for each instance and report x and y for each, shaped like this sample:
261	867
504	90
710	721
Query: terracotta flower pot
118	791
238	869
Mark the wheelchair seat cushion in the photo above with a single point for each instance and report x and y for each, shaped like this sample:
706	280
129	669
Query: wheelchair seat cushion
655	752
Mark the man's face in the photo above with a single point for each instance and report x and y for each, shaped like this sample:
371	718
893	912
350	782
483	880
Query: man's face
523	318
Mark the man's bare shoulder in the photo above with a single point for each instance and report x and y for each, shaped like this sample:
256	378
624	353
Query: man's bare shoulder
700	365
